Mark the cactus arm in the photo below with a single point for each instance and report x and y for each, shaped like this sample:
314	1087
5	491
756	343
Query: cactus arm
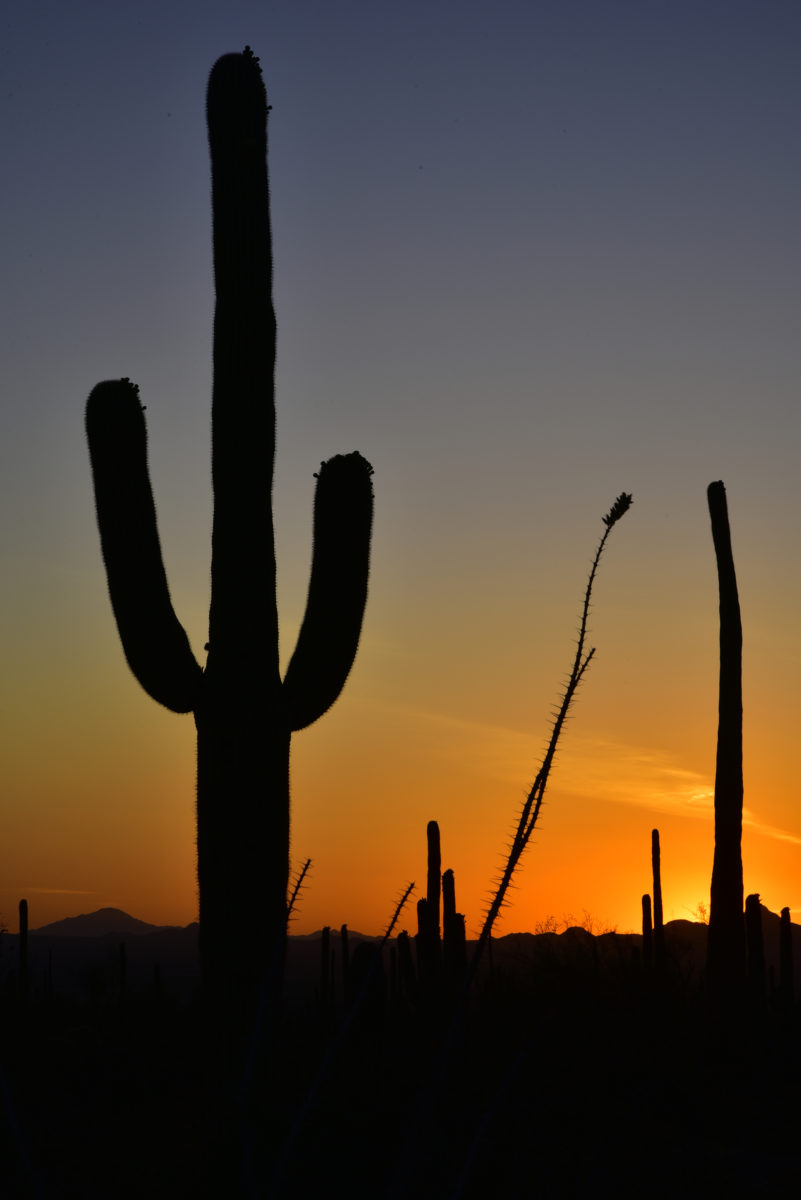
243	619
329	635
154	641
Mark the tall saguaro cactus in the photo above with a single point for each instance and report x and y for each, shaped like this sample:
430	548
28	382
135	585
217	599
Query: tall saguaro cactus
244	712
726	938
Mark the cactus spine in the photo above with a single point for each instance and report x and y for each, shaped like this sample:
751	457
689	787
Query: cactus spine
243	710
726	940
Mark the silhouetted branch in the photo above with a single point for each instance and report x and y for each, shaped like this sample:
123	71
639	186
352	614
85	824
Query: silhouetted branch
531	808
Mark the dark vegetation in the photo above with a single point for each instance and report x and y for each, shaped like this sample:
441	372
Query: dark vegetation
170	1062
577	1057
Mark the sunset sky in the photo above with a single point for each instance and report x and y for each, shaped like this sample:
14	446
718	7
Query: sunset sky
528	255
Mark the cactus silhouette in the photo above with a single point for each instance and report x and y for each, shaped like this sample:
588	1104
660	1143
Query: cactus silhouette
441	953
23	953
786	957
433	877
647	933
755	944
345	945
244	712
659	927
726	940
454	945
428	930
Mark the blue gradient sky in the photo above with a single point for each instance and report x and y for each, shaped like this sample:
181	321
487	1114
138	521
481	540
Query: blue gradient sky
527	255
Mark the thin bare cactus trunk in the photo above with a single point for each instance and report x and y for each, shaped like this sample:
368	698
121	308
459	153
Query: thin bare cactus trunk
725	962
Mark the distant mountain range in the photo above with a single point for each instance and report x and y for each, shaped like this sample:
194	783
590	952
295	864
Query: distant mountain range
78	950
103	923
113	922
76	955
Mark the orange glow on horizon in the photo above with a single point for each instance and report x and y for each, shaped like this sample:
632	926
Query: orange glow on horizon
511	347
590	853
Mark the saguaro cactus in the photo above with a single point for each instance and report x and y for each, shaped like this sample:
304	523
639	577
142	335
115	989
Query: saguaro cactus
726	939
244	711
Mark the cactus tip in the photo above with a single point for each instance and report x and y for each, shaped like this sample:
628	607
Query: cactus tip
618	509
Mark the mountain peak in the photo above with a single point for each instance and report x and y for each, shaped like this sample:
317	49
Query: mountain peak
104	922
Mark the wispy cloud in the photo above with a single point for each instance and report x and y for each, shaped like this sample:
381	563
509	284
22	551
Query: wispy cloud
590	767
771	831
649	778
594	768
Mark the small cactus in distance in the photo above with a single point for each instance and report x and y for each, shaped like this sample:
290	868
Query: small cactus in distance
23	953
647	934
345	947
659	925
454	943
440	952
433	877
428	939
325	975
756	950
786	957
244	711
